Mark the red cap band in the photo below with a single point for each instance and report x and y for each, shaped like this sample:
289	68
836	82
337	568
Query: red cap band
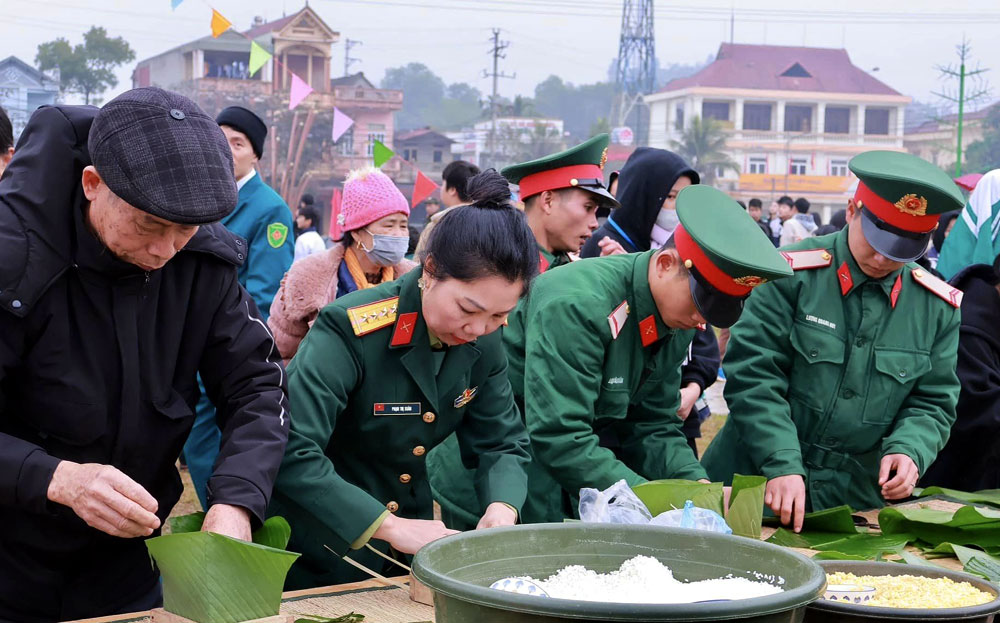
890	213
689	250
557	178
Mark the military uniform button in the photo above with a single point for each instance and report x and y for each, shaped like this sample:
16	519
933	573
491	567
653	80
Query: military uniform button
429	417
902	374
860	342
404	478
392	507
814	353
419	451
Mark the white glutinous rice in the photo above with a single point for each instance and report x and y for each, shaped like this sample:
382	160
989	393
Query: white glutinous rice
644	579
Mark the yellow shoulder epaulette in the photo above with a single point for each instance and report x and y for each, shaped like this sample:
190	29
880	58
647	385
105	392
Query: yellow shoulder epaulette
373	316
951	294
810	258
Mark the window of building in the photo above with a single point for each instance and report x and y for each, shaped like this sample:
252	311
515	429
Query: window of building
756	116
437	155
877	121
838	168
798	118
679	118
837	120
345	144
798	166
715	110
410	154
372	137
758	164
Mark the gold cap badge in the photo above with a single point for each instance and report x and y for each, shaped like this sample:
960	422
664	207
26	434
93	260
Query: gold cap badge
750	281
604	158
912	205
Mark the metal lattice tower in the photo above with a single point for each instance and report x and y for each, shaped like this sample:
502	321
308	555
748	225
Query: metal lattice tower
635	72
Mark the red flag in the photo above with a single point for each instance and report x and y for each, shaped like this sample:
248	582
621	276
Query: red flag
335	200
422	188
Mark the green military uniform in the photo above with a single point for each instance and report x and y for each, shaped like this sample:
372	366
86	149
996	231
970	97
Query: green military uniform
581	167
832	370
370	396
590	354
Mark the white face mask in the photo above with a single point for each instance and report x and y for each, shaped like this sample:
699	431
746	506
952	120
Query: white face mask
666	223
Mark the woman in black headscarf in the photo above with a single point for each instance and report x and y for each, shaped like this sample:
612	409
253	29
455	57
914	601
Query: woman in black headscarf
647	187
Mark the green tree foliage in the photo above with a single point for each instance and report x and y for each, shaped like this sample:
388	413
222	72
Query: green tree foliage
983	155
703	145
427	101
89	67
577	106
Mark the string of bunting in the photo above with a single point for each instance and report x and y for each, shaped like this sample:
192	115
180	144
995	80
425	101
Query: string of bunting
423	187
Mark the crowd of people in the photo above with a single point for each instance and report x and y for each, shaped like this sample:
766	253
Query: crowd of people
158	301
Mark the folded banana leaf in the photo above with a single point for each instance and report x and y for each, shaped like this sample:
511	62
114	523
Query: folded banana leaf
212	578
832	520
660	496
746	505
969	525
988	496
839	546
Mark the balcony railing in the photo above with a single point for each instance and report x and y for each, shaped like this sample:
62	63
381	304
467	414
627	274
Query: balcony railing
371	96
664	137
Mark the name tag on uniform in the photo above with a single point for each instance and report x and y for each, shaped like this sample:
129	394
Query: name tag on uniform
397	408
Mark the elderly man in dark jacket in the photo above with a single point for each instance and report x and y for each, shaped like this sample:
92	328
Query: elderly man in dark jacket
117	286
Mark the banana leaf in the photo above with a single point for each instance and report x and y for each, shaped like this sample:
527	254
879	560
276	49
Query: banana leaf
988	496
867	545
973	560
746	505
274	533
805	540
660	496
832	520
837	556
212	578
910	558
969	525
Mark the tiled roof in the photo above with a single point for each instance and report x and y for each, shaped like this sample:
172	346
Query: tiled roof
277	24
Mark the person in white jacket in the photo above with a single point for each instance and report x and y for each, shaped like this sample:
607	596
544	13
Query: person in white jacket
308	240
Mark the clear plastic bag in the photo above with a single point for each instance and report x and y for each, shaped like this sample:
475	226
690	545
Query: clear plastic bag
617	504
694	518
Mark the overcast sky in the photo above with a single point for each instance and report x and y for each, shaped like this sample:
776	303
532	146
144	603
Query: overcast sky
575	39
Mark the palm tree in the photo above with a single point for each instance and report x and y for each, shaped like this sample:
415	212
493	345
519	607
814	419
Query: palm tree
703	145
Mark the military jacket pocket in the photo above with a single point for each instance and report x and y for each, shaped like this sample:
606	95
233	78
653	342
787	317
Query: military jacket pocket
895	372
816	367
612	403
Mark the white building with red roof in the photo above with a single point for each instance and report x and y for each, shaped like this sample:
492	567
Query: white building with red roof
793	117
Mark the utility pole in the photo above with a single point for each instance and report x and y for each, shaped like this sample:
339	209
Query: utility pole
348	60
497	52
981	91
635	71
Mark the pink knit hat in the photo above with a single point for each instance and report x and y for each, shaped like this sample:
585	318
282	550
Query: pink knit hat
369	195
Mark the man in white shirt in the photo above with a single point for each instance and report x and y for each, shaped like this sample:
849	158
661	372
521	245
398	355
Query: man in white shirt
307	239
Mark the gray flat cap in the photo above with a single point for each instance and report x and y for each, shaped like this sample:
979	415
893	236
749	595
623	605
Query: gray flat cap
162	154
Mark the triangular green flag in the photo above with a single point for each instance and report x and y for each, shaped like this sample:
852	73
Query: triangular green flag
258	56
381	153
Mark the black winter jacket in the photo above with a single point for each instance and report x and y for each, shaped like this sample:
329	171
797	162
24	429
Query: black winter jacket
99	364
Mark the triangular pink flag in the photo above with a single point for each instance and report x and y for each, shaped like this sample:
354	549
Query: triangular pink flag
300	90
335	202
341	123
422	188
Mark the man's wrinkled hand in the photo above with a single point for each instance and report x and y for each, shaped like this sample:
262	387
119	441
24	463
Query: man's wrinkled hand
228	520
105	498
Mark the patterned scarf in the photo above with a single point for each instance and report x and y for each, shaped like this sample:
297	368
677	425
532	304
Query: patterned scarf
358	273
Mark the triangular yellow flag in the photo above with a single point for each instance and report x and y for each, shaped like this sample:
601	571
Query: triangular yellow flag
258	57
219	23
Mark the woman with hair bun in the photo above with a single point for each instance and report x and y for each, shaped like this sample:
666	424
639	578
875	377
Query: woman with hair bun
385	374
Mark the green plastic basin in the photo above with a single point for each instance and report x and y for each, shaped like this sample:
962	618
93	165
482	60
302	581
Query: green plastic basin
460	568
830	612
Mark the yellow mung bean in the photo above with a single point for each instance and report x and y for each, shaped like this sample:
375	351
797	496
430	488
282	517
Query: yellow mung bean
911	591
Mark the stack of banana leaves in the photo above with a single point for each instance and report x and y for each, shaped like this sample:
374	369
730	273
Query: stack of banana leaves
966	527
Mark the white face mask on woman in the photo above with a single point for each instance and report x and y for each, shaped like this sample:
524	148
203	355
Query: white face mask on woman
666	223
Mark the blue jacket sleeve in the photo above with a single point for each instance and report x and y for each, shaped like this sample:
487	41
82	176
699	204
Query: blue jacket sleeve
268	259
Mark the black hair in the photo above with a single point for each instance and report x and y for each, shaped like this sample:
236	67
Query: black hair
742	205
6	131
457	175
839	219
785	199
310	212
485	238
308	199
414	239
802	205
756	203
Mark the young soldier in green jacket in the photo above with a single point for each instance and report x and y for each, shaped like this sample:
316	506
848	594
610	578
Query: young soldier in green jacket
841	381
597	348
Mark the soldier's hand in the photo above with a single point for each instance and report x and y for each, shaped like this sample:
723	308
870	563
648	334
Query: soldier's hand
610	246
900	485
689	396
786	495
409	535
105	498
497	514
228	520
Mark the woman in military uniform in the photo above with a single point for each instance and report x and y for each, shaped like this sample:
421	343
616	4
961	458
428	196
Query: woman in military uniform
387	373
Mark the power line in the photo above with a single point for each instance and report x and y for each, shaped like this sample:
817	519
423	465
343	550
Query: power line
348	59
497	52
